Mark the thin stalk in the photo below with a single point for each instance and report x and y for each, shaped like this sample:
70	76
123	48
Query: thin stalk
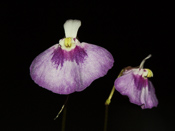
108	101
106	118
63	106
143	61
64	119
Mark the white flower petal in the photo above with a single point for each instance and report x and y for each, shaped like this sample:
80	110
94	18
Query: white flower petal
71	28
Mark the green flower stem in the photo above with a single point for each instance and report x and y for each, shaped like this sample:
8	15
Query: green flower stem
64	119
106	118
108	101
63	106
64	109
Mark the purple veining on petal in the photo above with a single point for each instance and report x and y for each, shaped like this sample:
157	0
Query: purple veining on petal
140	82
58	56
65	72
79	57
77	54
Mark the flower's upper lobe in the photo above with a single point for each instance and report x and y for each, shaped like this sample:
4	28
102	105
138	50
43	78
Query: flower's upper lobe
65	72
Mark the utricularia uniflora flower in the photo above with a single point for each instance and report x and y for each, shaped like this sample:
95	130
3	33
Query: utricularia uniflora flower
135	84
70	66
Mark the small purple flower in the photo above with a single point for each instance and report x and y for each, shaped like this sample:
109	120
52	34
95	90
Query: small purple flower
70	66
135	84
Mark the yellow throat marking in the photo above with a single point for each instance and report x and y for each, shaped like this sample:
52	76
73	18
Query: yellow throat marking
68	42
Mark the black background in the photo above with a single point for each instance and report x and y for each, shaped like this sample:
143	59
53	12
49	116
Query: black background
130	31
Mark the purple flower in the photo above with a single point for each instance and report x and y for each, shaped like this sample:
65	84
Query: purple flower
70	66
135	84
